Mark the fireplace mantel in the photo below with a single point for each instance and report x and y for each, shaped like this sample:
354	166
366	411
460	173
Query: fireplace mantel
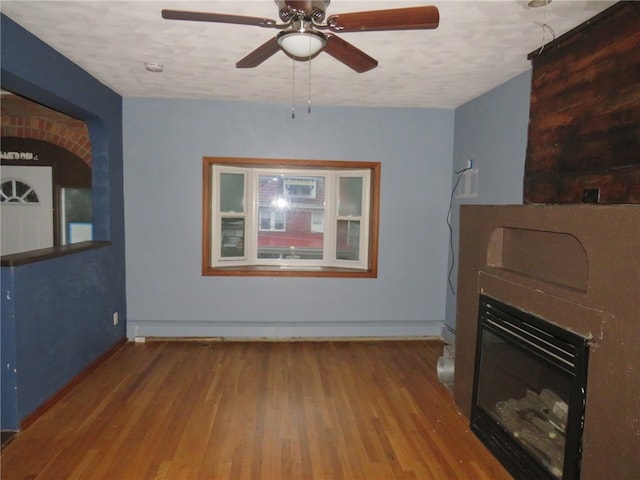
577	266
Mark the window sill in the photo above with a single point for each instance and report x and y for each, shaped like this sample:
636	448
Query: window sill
17	259
270	271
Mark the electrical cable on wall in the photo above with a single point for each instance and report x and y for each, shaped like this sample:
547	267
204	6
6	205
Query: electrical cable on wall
459	173
546	27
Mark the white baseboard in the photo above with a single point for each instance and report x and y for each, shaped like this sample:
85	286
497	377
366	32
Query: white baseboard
449	334
284	330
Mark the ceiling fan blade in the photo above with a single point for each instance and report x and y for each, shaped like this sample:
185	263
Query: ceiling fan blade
413	18
260	54
348	54
217	17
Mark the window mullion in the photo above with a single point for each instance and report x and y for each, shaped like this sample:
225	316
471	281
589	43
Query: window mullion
215	214
364	225
330	213
253	216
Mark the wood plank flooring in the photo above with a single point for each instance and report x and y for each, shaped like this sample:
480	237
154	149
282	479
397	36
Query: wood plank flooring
256	410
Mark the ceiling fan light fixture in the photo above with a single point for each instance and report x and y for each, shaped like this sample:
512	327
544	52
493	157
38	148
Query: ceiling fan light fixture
301	44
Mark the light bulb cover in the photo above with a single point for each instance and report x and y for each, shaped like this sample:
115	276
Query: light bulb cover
301	44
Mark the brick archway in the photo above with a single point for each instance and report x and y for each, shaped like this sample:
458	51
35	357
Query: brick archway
25	119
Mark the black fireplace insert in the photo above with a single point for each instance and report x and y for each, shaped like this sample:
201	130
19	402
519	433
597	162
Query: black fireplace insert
529	392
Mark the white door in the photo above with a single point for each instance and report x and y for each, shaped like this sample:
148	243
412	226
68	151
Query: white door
26	208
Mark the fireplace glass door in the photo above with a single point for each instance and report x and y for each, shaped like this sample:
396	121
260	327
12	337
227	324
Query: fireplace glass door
529	392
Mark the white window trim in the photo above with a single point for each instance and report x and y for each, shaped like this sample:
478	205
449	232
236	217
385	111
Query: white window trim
363	218
251	218
216	233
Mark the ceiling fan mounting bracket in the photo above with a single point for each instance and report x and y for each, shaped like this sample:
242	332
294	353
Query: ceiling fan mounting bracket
310	10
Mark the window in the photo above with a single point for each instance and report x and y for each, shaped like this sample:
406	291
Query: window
317	221
299	187
290	218
15	191
272	219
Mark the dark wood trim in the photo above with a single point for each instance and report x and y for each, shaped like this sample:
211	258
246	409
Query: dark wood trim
287	163
42	409
269	271
206	214
23	258
374	218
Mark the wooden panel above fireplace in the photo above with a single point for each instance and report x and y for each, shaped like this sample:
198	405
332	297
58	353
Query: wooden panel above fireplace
584	130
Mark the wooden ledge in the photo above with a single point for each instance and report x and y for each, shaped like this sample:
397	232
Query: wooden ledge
32	256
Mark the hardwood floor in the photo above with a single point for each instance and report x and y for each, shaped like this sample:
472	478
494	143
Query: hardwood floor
256	410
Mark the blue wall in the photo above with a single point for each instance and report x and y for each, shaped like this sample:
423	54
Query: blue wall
492	129
8	374
164	143
57	314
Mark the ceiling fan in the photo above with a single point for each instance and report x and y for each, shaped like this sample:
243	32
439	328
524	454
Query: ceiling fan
303	27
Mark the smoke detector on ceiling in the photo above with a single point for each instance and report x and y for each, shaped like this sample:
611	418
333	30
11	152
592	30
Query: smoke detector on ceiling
538	3
153	67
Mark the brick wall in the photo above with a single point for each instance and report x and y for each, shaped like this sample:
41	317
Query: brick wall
23	118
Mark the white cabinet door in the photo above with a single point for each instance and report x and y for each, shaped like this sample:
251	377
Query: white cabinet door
26	208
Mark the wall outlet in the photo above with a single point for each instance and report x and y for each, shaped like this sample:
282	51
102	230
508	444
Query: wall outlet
115	318
591	195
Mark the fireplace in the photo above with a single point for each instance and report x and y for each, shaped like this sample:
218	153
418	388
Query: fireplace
529	392
572	272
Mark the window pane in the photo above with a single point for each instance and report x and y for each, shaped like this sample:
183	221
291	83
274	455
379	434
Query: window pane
75	208
272	219
22	189
265	219
7	190
317	221
31	197
232	237
350	199
278	220
348	240
231	192
287	204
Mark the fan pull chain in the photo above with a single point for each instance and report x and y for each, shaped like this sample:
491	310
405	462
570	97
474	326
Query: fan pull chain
293	91
309	86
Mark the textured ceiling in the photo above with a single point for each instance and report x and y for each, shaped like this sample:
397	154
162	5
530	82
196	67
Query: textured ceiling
478	45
